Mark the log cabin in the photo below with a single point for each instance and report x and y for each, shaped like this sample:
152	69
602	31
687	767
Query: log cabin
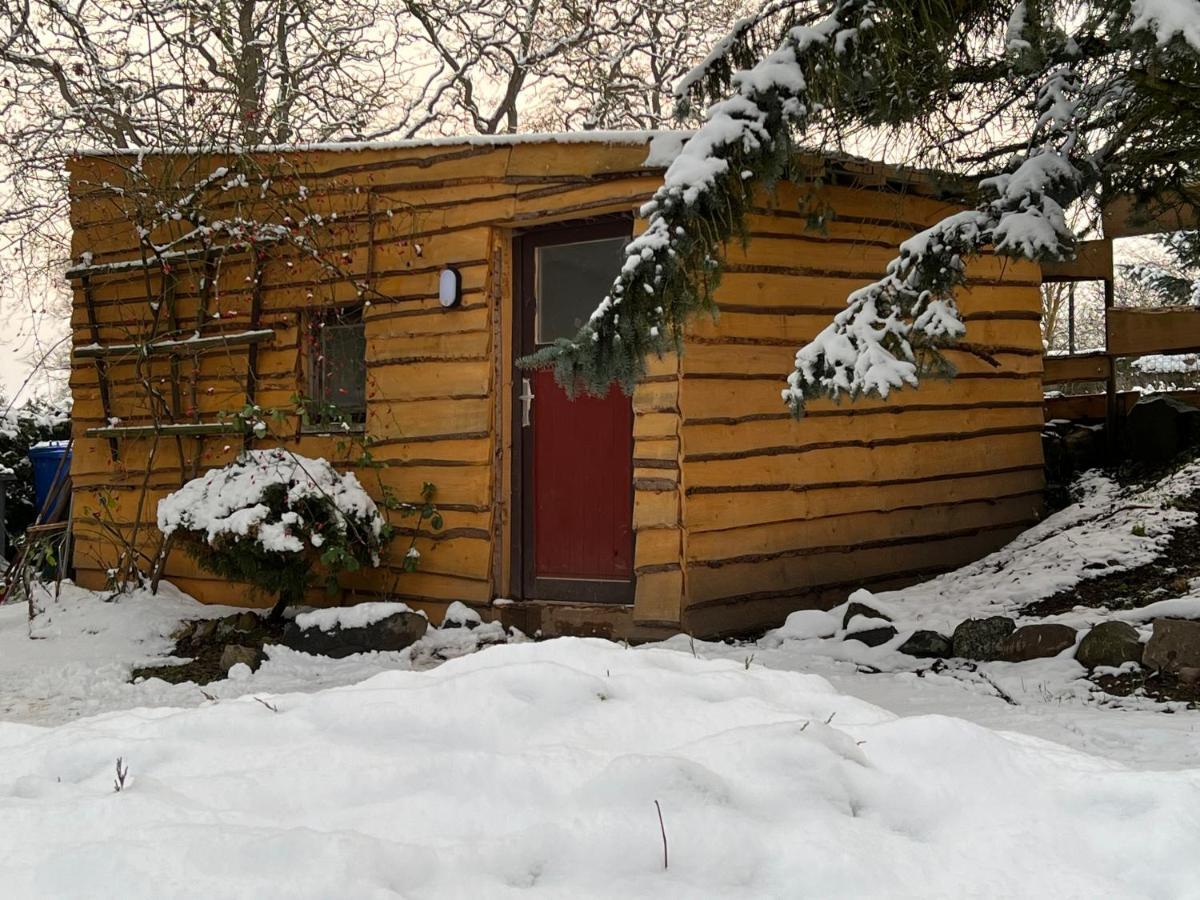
697	504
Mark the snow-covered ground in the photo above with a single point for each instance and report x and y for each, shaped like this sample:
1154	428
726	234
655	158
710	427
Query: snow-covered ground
534	769
83	648
801	765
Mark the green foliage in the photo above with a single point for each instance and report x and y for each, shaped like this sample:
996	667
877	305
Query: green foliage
254	419
20	430
333	543
315	413
423	512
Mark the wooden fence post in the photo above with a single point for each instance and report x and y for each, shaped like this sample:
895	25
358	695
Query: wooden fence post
1110	414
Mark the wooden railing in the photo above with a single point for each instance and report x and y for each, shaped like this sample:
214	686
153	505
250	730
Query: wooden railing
1129	333
1093	262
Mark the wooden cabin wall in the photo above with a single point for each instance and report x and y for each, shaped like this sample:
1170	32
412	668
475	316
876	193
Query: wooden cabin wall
783	514
438	384
740	513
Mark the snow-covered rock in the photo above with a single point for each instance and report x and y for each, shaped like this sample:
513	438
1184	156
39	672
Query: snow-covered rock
459	615
346	630
359	615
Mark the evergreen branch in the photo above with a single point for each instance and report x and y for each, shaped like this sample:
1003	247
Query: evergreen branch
891	331
671	269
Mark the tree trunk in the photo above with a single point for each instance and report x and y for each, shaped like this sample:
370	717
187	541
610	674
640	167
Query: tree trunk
287	597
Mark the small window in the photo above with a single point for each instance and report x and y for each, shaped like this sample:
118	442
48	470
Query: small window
572	279
337	367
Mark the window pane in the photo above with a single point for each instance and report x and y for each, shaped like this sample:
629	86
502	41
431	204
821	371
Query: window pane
572	279
344	367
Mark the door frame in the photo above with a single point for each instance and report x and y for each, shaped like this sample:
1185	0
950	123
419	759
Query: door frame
525	584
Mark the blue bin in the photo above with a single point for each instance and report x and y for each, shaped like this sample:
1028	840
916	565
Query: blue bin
51	464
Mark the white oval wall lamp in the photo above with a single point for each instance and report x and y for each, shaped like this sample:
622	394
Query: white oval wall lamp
449	288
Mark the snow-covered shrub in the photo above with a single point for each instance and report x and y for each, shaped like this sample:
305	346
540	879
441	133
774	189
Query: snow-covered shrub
276	520
20	429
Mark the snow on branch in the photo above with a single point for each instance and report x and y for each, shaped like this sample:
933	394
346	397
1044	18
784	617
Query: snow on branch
671	268
728	50
890	333
1168	19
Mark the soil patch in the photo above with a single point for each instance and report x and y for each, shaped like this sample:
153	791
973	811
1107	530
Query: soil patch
1160	686
1165	577
202	644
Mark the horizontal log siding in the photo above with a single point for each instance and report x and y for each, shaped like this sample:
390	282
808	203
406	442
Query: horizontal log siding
431	378
740	513
784	514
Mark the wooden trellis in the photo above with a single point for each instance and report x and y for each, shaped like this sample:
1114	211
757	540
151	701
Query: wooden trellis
180	422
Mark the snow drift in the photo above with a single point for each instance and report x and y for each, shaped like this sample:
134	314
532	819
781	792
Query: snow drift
533	769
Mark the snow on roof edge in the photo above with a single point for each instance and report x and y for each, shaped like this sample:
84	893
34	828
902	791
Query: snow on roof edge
663	145
627	138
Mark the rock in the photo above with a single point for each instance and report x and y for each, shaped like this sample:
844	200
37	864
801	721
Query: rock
861	609
234	654
459	615
980	638
239	623
928	645
1160	427
1109	644
1189	675
183	632
1174	645
395	632
203	631
1036	642
1084	446
873	632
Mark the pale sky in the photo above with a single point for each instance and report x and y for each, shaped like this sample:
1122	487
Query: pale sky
26	334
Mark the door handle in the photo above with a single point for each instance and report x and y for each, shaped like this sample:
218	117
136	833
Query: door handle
526	398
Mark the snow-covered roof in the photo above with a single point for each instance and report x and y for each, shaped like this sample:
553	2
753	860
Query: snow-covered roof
662	146
662	138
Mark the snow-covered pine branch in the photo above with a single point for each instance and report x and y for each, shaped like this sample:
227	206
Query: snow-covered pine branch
1171	275
671	268
730	52
955	76
890	333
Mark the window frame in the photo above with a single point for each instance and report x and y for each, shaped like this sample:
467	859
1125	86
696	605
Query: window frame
315	376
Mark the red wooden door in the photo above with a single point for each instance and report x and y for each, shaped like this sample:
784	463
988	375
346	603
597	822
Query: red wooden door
576	473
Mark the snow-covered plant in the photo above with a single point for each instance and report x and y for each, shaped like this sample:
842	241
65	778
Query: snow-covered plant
1044	103
276	520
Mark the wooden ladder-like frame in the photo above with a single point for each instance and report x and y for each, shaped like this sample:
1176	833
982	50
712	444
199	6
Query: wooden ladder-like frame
180	424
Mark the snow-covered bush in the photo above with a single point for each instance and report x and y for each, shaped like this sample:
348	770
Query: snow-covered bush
276	520
20	429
